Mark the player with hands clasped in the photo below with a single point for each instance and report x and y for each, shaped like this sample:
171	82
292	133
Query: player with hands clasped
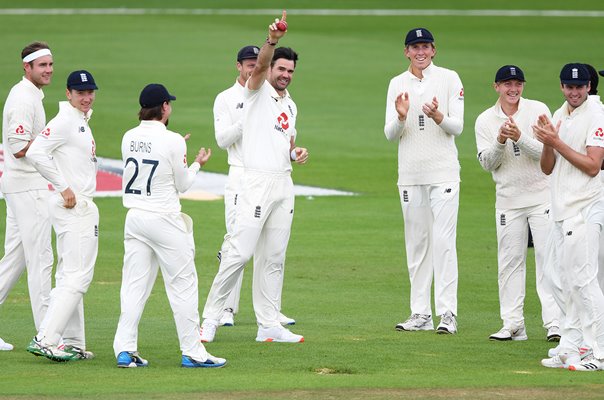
157	235
265	206
573	151
27	242
508	149
424	114
65	154
228	114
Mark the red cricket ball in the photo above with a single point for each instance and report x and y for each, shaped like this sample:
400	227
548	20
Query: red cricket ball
282	26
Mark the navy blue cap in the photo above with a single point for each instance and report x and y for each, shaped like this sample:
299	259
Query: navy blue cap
601	72
509	72
81	80
154	94
574	74
248	53
418	35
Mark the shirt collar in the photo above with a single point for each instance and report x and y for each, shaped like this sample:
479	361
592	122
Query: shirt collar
29	84
428	71
499	109
152	123
66	106
576	111
276	95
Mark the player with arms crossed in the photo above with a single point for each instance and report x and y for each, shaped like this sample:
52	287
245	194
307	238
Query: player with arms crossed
65	154
508	149
573	152
27	242
157	235
424	114
228	113
266	204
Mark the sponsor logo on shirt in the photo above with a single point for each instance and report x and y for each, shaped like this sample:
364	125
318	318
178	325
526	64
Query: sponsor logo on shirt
599	134
516	149
502	220
282	123
45	132
20	130
461	94
238	106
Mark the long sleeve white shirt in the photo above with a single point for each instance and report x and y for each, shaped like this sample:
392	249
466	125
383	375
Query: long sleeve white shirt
572	189
519	181
426	151
65	152
155	168
23	118
228	115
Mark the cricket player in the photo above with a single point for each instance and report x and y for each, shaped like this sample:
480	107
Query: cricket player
156	233
228	114
424	114
65	154
573	152
265	206
508	149
27	241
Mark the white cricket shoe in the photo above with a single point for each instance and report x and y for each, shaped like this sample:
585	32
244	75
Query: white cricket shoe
278	334
5	346
416	322
283	320
553	351
228	318
448	324
561	361
588	364
505	334
553	334
208	330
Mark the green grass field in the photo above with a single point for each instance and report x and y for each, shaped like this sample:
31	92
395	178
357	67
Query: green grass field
346	281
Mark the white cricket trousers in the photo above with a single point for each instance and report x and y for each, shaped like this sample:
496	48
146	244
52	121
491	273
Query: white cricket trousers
77	232
265	212
573	275
27	244
159	240
512	237
231	193
430	216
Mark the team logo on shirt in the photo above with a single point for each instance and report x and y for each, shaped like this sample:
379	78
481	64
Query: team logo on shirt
20	130
45	132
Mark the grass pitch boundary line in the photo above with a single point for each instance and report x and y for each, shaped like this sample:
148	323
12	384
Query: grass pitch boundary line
311	12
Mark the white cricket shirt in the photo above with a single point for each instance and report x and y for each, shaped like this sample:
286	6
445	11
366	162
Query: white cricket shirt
268	126
426	151
572	189
23	118
515	166
155	168
65	152
228	113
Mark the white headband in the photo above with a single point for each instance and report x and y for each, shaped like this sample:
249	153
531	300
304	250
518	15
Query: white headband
37	54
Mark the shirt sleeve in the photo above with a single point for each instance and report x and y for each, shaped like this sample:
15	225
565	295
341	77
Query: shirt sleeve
393	127
490	152
40	153
527	141
452	122
20	126
226	130
183	176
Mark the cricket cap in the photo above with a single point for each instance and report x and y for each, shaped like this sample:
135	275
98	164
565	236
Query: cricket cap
81	80
574	74
154	94
418	35
248	53
509	72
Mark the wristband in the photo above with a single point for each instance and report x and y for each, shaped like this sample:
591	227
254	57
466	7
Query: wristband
268	41
293	155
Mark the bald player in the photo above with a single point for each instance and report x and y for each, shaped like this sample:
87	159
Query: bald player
27	241
228	112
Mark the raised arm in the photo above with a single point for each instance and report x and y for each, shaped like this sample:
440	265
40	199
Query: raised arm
266	53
